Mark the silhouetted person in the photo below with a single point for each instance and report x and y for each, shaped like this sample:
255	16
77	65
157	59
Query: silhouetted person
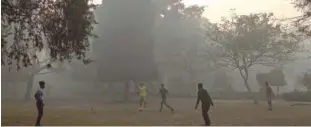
143	95
206	101
164	93
39	103
269	95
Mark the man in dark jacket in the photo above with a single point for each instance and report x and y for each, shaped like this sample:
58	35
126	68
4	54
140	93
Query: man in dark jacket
206	101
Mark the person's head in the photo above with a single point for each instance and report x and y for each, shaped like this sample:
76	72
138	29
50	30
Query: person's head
200	85
42	84
141	84
162	85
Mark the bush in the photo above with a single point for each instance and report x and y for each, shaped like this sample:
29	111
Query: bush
237	95
297	96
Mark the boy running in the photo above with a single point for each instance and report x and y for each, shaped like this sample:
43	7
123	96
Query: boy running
164	93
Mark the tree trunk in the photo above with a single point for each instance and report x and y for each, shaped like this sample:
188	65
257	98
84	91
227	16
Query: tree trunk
29	87
249	90
126	91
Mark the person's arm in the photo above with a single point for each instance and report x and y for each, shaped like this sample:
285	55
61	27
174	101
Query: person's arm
166	91
198	100
150	92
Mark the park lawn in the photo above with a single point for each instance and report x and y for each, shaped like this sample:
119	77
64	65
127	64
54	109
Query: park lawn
224	113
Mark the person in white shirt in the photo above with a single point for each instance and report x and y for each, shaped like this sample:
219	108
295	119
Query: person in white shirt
39	103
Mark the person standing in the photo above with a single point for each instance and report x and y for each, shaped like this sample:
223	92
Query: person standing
269	95
164	92
39	103
142	95
206	101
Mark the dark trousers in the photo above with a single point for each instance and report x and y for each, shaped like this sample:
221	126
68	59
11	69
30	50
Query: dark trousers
205	115
163	102
40	112
270	104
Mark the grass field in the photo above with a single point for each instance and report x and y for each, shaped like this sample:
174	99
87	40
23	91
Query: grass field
224	113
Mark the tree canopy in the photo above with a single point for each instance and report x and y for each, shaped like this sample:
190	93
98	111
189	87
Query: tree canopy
124	49
275	77
303	22
255	39
60	27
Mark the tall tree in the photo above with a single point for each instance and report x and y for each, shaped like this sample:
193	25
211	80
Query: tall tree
60	27
179	38
124	49
248	40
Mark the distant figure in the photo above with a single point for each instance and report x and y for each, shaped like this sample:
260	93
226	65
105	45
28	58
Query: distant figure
269	95
143	95
39	103
206	101
164	93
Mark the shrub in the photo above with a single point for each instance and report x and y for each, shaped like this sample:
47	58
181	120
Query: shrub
297	96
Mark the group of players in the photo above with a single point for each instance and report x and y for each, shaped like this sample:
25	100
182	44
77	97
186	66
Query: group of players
203	97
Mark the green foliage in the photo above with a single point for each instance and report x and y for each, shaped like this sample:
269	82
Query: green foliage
60	27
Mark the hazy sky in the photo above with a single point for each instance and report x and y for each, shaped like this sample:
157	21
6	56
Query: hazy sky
219	8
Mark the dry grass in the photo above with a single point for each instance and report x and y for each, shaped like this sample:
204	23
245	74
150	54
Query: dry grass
225	113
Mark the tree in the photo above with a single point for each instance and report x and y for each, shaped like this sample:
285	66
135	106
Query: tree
303	22
179	40
124	49
222	82
275	77
305	79
60	27
248	40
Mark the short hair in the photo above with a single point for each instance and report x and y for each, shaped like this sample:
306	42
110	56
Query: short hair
162	84
41	83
